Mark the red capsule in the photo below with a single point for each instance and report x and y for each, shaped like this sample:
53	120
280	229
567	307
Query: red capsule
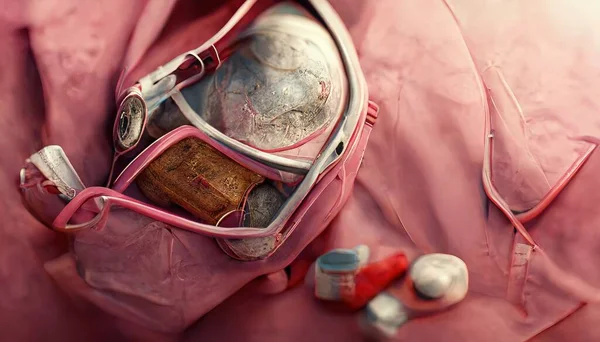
374	278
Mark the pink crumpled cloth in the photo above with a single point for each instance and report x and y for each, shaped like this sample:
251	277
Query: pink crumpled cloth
419	190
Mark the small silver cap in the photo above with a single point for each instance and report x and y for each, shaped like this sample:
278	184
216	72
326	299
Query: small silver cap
384	315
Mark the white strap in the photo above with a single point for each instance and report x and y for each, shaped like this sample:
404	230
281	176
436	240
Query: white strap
54	165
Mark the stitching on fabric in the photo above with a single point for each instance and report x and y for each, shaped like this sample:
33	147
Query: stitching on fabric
513	99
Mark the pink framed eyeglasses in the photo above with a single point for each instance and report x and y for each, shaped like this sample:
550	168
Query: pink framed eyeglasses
91	207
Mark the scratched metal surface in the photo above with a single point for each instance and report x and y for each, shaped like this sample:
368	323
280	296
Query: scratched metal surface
279	87
419	189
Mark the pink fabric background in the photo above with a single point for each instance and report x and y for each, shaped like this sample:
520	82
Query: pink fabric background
419	188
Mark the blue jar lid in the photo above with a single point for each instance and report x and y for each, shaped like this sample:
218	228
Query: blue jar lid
339	260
